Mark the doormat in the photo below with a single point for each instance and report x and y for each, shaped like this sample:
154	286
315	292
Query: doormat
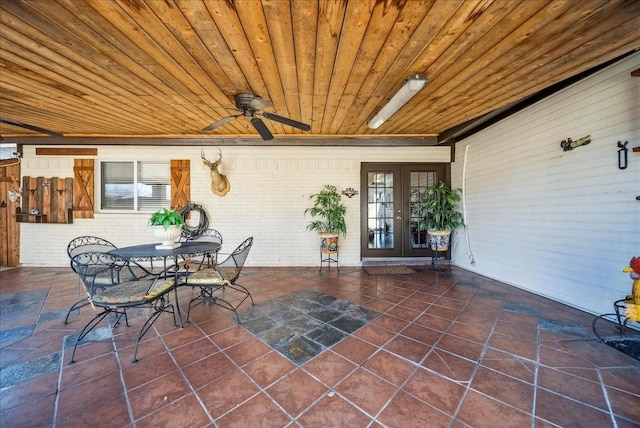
389	270
302	324
628	345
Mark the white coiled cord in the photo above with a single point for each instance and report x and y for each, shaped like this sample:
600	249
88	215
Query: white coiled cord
464	204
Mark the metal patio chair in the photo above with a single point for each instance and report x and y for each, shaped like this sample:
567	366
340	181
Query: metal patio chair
219	278
210	259
83	244
114	285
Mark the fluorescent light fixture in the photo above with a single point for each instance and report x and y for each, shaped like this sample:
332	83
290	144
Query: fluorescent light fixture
411	86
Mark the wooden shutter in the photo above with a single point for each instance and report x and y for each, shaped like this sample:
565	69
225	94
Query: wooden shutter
83	191
180	183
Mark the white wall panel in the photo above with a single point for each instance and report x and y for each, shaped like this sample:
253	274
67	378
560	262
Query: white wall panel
561	224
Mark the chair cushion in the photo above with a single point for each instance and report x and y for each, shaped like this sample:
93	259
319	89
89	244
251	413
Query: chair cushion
230	272
206	277
159	288
191	265
103	281
128	293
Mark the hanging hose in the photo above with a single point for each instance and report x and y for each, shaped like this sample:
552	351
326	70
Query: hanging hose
464	203
192	232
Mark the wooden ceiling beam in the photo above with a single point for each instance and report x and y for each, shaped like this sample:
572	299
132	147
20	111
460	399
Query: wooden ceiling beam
343	141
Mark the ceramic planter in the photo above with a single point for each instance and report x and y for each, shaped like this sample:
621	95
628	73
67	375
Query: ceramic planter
328	242
439	239
167	237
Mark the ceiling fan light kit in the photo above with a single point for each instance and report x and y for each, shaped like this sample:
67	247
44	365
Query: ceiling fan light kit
412	86
249	104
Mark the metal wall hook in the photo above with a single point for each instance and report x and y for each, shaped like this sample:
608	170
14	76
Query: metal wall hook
623	154
3	204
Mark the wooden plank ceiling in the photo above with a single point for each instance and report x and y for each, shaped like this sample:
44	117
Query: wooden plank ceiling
151	68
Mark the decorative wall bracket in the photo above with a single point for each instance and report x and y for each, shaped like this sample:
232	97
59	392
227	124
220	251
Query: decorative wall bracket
349	192
569	144
622	154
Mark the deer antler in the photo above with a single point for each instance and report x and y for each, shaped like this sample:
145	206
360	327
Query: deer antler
208	162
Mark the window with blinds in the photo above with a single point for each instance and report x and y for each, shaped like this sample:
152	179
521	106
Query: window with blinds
135	186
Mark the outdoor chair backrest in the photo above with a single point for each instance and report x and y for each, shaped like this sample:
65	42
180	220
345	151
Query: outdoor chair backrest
231	267
210	235
84	244
210	259
98	270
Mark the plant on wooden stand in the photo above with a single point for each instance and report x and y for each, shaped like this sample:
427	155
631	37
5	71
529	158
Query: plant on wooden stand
330	211
167	225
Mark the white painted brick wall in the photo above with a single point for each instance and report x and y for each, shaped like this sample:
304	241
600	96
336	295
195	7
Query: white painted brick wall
270	188
560	224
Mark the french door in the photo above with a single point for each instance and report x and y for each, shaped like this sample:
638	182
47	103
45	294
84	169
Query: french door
390	214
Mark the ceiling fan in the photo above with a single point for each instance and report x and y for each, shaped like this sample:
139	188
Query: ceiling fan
249	104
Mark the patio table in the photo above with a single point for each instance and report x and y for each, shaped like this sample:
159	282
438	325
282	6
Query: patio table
150	252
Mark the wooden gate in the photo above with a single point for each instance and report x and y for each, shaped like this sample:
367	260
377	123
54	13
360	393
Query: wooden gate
9	228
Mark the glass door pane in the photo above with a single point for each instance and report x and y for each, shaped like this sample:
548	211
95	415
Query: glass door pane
380	210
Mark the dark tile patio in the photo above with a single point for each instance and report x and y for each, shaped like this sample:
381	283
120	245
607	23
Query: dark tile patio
334	349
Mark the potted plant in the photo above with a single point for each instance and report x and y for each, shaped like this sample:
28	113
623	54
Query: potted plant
166	225
440	203
330	211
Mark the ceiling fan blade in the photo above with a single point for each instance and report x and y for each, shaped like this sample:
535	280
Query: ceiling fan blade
287	121
30	127
221	122
261	128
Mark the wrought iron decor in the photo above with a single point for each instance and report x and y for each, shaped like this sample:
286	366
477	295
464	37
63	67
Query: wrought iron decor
623	153
570	144
349	192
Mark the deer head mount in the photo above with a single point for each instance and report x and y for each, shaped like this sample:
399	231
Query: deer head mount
219	183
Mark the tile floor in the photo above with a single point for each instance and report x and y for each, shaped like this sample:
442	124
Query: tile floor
449	349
